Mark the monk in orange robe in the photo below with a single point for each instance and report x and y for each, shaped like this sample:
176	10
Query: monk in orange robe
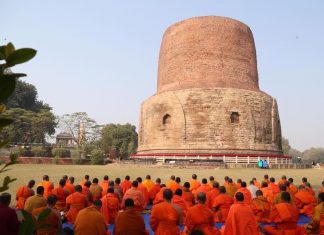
148	183
91	221
129	221
61	195
221	205
187	195
137	196
322	188
69	185
256	183
126	184
309	188
96	189
225	181
238	183
273	186
282	181
178	200
110	206
82	182
118	188
212	194
265	179
172	184
143	189
204	187
194	183
52	223
86	191
211	181
230	187
48	186
23	193
165	216
159	196
154	190
277	197
240	219
247	194
293	188
305	201
200	217
316	225
74	203
104	184
267	192
261	207
285	216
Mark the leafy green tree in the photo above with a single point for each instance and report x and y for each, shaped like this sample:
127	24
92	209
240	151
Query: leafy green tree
119	138
97	157
313	154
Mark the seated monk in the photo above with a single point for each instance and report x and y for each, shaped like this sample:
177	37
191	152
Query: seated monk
305	201
226	178
69	185
292	187
110	206
211	181
51	224
200	217
316	226
35	201
282	181
74	203
137	196
309	188
104	184
129	221
82	182
48	186
267	192
148	183
154	190
172	184
194	183
273	186
91	221
187	195
204	187
285	216
256	183
261	207
143	189
118	188
23	193
86	191
247	194
231	187
61	195
238	183
159	196
95	189
265	179
126	184
221	205
165	216
240	219
277	197
212	194
178	200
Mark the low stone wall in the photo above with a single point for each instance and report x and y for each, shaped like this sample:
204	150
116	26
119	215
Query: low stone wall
48	160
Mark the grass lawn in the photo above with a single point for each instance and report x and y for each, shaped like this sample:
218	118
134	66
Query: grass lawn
25	172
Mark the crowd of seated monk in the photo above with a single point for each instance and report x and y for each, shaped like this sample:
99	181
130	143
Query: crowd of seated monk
91	206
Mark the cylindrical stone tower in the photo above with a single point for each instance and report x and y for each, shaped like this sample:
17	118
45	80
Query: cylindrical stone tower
208	98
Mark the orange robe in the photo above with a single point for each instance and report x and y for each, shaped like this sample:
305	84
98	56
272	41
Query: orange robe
110	207
194	184
104	184
240	220
75	202
261	208
221	205
148	184
293	188
188	197
159	196
268	194
51	224
69	187
164	219
90	221
305	202
144	191
316	226
125	185
172	185
137	196
285	216
274	188
231	189
48	187
177	200
86	192
247	195
96	191
282	182
154	190
211	195
61	195
21	196
129	222
204	188
256	183
200	217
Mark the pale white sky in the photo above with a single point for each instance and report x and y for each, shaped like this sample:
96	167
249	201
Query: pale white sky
101	57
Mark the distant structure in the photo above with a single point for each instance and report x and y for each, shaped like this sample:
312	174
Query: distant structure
64	139
208	103
81	134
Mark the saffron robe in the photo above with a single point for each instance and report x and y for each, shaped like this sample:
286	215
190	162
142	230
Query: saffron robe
204	188
316	226
125	185
96	191
200	217
159	197
48	187
188	197
221	206
247	195
75	202
241	220
148	184
51	224
172	185
268	194
165	219
144	191
305	202
104	184
22	194
261	208
231	189
110	207
137	196
34	202
177	200
129	222
61	195
70	187
211	195
194	184
154	190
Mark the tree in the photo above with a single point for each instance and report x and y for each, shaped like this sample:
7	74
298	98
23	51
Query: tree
285	146
313	154
119	138
71	123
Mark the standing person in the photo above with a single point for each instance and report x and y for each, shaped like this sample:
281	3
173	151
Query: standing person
129	221
200	217
74	203
52	223
23	193
165	217
240	219
110	206
126	184
48	186
35	201
90	221
95	189
137	196
9	224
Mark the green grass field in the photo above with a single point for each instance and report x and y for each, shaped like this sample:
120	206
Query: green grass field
25	172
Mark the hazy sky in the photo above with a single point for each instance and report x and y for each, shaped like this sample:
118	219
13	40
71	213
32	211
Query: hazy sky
101	57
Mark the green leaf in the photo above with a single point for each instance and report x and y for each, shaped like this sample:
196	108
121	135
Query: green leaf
5	121
20	56
7	87
44	214
9	49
